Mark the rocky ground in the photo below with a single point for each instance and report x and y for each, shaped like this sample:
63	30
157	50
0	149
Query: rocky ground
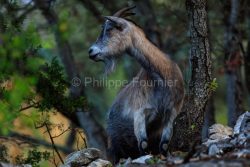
225	147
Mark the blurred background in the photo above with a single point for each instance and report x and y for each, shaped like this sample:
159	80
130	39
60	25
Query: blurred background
44	46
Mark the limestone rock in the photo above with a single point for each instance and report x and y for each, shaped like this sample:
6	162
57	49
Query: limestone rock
142	159
242	131
82	157
100	163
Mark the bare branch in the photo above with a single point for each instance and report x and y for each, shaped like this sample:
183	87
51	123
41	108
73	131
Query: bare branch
31	140
69	128
25	13
52	142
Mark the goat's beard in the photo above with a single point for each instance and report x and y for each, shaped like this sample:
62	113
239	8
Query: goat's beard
109	65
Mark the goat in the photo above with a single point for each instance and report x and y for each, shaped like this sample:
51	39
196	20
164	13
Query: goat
142	115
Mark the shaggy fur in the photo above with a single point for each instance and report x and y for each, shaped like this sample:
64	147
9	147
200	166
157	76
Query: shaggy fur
141	117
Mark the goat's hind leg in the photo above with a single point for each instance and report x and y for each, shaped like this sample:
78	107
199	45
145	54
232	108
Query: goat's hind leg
114	151
167	133
140	130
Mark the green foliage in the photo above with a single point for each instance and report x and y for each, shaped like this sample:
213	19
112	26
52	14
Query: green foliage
24	74
213	85
20	63
153	160
52	86
192	127
3	153
33	158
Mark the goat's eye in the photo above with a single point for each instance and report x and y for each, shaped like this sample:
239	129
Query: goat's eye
109	29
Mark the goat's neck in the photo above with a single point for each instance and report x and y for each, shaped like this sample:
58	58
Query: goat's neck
152	59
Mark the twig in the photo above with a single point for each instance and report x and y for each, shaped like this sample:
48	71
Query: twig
26	12
83	138
52	142
28	107
31	140
77	143
54	160
62	133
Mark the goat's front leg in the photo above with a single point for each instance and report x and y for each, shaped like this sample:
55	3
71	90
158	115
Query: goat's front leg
140	130
167	133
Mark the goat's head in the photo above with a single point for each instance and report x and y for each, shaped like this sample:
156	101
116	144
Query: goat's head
114	39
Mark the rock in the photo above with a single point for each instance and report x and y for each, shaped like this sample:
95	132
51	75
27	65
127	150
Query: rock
219	132
2	164
242	131
242	123
174	159
214	150
215	164
82	157
128	161
245	153
224	139
142	159
100	163
219	140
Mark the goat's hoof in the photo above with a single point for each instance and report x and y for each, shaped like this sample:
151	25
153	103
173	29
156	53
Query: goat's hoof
143	147
164	147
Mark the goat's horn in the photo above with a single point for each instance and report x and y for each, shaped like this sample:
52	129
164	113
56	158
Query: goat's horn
110	19
124	12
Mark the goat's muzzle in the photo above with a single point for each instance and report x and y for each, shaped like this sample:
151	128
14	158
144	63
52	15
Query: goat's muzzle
93	53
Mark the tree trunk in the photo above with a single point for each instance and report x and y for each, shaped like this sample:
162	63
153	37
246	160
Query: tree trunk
209	119
247	56
92	9
189	123
95	133
150	25
233	60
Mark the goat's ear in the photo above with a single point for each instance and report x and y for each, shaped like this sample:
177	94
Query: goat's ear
118	23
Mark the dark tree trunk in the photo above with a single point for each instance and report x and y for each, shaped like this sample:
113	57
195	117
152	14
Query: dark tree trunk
247	56
150	25
93	130
189	123
209	119
233	60
92	9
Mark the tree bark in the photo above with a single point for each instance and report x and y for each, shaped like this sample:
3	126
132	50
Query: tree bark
150	25
233	60
96	134
189	123
209	119
92	9
247	56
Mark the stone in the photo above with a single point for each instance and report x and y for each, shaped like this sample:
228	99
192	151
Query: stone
219	132
2	164
142	159
242	131
100	163
82	157
214	150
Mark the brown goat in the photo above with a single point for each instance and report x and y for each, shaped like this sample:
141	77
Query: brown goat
141	118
